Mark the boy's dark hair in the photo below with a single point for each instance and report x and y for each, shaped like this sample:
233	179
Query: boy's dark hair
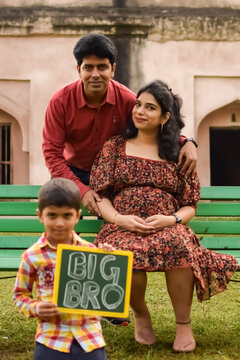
95	44
169	137
59	192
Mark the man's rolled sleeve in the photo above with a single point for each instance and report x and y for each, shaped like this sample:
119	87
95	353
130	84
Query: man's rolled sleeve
54	133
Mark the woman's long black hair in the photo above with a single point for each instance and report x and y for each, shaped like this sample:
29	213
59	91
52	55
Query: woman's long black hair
169	137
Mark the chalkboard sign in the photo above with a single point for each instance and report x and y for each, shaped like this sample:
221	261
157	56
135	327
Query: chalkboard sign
92	281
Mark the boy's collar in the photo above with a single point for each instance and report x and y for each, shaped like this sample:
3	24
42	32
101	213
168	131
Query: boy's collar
43	241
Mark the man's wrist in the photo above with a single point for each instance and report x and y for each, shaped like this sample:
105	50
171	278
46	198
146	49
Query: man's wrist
83	190
190	139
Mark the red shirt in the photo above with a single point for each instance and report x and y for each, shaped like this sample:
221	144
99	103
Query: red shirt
75	131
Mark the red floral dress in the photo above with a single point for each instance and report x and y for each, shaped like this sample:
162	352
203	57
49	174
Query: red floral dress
146	187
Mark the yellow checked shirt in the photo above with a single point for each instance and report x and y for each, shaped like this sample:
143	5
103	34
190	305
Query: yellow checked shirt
38	266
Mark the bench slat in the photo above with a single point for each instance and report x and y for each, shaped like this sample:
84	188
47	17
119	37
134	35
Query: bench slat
15	208
215	227
218	209
33	225
23	208
24	242
19	191
10	260
88	237
220	242
16	241
88	225
10	264
220	193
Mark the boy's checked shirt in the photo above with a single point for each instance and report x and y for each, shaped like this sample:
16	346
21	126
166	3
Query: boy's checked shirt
38	265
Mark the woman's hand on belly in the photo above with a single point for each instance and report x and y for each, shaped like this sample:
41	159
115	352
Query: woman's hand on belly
134	223
160	221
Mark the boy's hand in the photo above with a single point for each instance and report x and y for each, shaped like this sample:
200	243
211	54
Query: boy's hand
106	247
47	310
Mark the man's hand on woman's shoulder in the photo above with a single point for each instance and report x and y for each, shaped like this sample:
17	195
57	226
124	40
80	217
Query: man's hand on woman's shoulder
188	159
90	200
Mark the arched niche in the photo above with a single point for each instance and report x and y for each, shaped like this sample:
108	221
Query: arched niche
19	158
227	120
14	100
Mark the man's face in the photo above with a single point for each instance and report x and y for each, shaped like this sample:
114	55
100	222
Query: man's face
95	74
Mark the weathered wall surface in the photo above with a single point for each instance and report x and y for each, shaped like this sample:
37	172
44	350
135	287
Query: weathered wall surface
176	44
157	23
128	3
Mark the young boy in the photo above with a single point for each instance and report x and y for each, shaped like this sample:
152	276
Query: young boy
59	336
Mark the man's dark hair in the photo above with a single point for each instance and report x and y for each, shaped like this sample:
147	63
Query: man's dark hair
169	137
95	44
59	192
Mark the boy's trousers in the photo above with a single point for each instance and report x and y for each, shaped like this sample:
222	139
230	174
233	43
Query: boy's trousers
43	352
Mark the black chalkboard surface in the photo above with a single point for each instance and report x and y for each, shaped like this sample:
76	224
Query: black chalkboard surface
92	281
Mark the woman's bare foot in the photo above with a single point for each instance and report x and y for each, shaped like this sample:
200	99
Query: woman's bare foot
184	340
143	330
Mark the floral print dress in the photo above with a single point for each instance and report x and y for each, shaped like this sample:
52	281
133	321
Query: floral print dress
144	187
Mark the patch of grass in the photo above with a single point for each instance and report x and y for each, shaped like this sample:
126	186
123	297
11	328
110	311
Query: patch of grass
216	325
16	331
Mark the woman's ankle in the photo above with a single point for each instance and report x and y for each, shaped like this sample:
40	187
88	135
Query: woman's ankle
187	322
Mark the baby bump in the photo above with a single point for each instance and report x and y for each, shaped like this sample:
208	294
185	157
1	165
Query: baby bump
144	201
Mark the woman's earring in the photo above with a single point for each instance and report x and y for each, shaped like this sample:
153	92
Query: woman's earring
161	127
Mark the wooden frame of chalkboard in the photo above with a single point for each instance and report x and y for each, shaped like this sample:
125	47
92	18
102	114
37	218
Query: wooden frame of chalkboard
92	281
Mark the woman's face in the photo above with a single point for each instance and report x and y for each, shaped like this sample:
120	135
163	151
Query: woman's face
147	113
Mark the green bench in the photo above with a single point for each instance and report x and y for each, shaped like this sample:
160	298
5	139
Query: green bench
217	222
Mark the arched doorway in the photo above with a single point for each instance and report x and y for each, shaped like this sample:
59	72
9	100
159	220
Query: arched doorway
14	162
219	147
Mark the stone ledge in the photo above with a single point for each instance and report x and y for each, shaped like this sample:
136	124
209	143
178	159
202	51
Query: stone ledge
156	23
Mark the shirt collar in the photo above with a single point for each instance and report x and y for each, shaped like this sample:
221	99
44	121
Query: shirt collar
110	97
43	241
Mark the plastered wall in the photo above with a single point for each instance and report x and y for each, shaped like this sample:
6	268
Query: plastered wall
129	3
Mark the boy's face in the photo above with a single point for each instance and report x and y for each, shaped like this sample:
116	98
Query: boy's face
59	223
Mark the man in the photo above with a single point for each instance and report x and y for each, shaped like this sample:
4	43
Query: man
83	115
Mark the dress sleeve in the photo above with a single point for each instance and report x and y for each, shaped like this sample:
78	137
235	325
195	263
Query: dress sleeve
188	191
102	174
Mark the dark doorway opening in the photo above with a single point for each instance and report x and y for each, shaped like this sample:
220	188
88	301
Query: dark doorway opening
225	156
5	154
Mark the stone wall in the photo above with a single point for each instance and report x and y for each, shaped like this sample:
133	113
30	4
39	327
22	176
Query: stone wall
156	23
